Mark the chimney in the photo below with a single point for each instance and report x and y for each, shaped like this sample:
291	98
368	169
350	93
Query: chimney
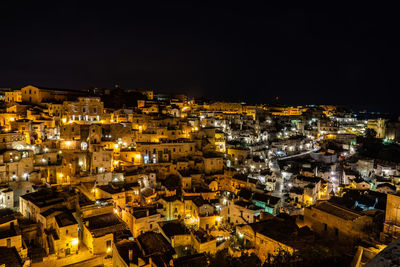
130	255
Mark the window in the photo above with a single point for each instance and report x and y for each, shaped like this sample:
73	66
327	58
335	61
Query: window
66	231
325	227
108	244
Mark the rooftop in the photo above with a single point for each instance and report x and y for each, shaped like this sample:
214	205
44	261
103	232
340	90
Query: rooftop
154	243
44	198
102	221
65	219
202	236
115	188
283	230
338	211
123	248
172	228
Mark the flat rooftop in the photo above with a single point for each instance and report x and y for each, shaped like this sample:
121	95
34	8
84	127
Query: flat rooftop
65	219
338	211
102	221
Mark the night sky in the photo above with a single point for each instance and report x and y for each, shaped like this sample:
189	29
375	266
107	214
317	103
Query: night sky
250	52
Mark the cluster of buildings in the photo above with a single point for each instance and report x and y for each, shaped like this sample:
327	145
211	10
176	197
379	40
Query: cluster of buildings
171	181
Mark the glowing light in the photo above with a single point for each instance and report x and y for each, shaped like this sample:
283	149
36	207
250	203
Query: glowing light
64	120
80	163
108	249
75	241
115	211
116	146
137	156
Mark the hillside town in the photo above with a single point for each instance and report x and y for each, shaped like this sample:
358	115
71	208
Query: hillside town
130	177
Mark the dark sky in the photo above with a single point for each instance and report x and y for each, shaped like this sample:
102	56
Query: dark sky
250	52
